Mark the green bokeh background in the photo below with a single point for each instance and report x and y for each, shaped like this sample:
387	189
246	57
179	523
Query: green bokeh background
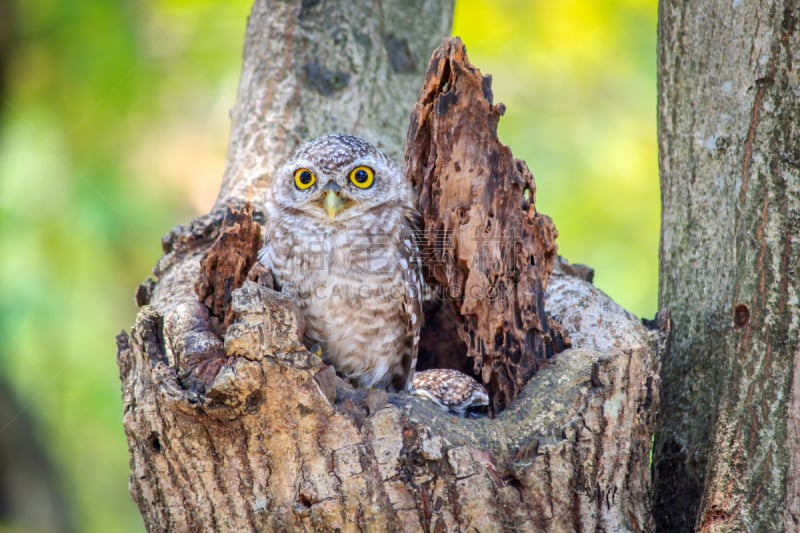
113	129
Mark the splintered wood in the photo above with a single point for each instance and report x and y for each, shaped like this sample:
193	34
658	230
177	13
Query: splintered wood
227	264
484	246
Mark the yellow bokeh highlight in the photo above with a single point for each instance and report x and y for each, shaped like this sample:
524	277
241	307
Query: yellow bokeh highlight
578	80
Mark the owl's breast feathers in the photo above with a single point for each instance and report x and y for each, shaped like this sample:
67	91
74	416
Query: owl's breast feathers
359	285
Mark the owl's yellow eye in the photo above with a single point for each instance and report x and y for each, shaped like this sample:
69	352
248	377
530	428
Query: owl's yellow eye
304	178
362	177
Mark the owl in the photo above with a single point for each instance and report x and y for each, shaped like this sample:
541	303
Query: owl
340	239
450	390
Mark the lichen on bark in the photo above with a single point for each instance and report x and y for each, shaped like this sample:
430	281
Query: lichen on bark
726	455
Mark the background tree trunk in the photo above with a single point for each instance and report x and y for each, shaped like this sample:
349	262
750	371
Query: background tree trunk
728	446
250	431
312	68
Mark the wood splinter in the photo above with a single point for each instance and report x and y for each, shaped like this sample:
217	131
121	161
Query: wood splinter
485	247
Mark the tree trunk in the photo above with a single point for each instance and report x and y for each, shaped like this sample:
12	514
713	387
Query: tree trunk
728	445
233	425
312	68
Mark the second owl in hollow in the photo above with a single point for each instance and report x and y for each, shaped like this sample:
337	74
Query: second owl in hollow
340	239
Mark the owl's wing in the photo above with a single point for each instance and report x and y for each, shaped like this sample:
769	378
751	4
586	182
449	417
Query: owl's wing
411	300
277	253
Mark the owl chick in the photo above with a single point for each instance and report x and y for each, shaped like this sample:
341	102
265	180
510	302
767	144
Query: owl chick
450	389
340	239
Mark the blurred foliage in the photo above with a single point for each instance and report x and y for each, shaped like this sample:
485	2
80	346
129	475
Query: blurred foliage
578	78
114	127
114	130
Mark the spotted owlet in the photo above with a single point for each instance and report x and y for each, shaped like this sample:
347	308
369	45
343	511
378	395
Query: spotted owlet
450	389
340	239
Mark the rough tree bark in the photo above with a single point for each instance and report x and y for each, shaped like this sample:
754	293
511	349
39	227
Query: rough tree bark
241	428
728	446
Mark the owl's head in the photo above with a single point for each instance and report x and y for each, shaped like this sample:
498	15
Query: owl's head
336	177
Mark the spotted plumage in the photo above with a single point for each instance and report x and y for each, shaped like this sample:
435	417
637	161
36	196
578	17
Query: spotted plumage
340	239
450	389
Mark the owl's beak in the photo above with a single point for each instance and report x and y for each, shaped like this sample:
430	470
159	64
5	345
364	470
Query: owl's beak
333	203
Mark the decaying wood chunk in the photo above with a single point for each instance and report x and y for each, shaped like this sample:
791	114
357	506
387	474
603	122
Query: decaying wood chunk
227	263
484	245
